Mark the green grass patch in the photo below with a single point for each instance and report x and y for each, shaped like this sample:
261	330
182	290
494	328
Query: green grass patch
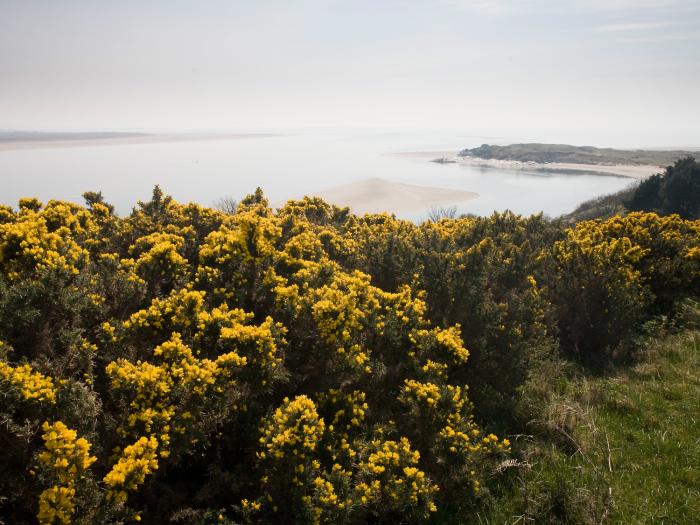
618	449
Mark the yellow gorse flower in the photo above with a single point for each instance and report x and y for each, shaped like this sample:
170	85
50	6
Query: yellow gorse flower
67	458
31	385
48	239
294	429
135	463
390	477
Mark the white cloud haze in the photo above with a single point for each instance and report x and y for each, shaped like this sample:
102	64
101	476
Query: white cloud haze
626	68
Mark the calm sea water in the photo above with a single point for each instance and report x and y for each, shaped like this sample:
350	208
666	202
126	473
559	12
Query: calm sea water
286	167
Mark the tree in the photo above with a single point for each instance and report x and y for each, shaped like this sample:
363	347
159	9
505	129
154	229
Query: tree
676	191
681	190
647	196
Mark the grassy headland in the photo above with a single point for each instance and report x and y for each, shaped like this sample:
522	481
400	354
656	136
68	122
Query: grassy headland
564	153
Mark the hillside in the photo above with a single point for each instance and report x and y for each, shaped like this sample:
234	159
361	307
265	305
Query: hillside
628	446
675	191
602	207
564	153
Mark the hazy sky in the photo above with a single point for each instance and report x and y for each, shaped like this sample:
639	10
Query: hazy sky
627	71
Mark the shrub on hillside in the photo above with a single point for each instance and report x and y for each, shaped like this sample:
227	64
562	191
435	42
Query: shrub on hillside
677	191
303	365
611	275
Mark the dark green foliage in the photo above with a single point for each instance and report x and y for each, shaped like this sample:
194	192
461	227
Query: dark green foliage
96	197
676	191
647	196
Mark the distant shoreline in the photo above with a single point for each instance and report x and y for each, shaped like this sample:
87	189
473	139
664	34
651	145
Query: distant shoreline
632	171
118	139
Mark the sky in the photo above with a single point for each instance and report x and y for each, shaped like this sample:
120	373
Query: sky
608	72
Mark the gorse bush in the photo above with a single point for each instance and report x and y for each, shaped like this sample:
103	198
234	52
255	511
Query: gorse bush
187	362
480	273
609	275
302	365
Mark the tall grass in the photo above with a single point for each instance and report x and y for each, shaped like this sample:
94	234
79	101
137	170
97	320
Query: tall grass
624	448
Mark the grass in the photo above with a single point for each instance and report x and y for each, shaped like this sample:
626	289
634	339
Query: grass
618	449
602	207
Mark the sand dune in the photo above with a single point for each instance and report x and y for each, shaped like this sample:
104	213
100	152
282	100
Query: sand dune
379	195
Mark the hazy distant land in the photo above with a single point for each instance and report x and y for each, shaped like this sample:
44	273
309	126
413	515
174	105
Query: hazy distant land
561	158
14	140
44	136
637	164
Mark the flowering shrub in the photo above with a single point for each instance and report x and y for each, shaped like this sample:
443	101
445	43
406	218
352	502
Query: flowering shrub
66	459
480	273
302	365
32	243
157	259
29	384
391	480
163	395
134	464
610	272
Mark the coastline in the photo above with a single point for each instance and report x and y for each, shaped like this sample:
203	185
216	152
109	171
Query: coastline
12	145
631	171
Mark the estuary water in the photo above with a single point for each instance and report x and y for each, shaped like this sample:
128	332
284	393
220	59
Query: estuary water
287	166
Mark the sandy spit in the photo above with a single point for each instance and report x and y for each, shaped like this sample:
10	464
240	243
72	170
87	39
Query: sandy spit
631	171
379	195
619	170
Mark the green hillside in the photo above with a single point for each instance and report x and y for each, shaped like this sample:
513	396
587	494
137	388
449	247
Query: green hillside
621	448
545	153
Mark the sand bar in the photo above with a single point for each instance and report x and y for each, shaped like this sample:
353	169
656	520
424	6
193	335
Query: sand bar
378	195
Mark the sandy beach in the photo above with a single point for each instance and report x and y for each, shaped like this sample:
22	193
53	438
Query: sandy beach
126	140
379	195
631	171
